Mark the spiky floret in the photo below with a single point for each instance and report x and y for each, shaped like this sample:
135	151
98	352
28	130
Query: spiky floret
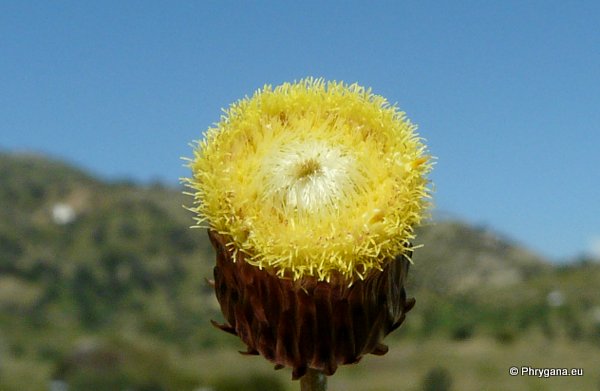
312	178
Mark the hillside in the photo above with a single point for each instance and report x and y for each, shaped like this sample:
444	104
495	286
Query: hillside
101	284
457	258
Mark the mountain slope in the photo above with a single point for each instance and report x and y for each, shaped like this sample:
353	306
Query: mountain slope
458	258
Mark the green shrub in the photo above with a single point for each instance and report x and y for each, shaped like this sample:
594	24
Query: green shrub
437	379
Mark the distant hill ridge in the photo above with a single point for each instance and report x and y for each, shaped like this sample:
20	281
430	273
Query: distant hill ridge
456	257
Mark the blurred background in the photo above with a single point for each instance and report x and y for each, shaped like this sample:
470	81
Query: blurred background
102	281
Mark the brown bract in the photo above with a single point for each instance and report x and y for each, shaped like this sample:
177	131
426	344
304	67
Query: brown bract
309	323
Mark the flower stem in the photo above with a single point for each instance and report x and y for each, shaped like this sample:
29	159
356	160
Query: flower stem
314	380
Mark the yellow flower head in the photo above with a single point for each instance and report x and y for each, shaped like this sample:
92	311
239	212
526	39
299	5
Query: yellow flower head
312	179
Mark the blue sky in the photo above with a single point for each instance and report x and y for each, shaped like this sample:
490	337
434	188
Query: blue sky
507	94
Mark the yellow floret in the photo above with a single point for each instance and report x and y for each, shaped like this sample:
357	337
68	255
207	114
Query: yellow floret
312	178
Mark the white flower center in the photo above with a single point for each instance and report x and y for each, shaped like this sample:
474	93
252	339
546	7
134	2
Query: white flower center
309	176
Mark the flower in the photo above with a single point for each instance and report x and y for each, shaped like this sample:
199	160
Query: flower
311	192
313	179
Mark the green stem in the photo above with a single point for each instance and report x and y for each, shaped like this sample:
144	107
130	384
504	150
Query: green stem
313	381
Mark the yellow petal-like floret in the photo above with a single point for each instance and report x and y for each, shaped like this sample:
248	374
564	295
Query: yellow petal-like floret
312	179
